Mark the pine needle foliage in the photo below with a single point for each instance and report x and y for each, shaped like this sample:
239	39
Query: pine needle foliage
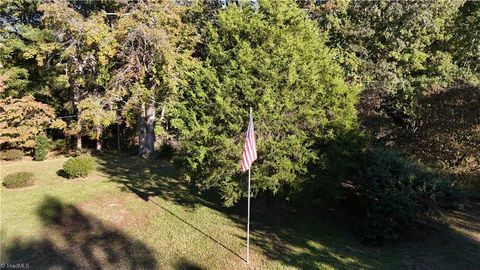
275	61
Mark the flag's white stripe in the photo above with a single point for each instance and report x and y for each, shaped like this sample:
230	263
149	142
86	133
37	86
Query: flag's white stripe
244	160
249	148
250	152
247	157
253	150
254	146
247	162
243	163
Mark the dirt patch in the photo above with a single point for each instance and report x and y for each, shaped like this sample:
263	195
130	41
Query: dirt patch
34	185
25	158
92	177
113	210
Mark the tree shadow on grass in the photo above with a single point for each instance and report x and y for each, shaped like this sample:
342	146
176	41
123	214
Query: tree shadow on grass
62	173
274	227
150	178
308	240
185	264
322	239
297	238
146	198
73	239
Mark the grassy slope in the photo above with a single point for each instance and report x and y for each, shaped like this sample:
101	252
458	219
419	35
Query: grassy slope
136	214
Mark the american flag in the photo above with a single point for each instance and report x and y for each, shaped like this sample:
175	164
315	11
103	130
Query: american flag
250	147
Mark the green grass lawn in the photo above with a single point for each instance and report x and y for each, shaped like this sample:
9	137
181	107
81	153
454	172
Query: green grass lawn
136	214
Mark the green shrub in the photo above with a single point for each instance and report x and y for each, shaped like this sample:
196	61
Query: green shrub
18	180
397	195
340	159
79	166
42	146
12	154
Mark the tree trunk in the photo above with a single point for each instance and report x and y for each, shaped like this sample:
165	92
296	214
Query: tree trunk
79	142
119	120
150	128
99	130
141	131
161	140
119	148
76	100
146	129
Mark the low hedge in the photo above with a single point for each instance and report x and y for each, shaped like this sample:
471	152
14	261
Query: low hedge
80	166
12	154
18	180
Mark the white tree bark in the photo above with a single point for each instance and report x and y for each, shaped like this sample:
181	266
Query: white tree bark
98	137
146	129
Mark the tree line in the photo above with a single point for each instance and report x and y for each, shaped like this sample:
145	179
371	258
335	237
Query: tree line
185	73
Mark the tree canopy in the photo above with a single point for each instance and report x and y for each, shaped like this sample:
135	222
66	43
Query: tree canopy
275	61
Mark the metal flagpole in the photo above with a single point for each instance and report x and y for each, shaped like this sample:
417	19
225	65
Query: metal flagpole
248	220
248	211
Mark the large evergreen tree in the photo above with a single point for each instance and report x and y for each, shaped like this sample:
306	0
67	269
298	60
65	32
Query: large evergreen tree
20	53
275	61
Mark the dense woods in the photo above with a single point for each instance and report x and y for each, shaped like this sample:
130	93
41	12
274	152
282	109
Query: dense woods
372	103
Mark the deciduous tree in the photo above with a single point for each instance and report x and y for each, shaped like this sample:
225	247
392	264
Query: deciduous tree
21	120
83	49
396	49
96	114
465	41
151	38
